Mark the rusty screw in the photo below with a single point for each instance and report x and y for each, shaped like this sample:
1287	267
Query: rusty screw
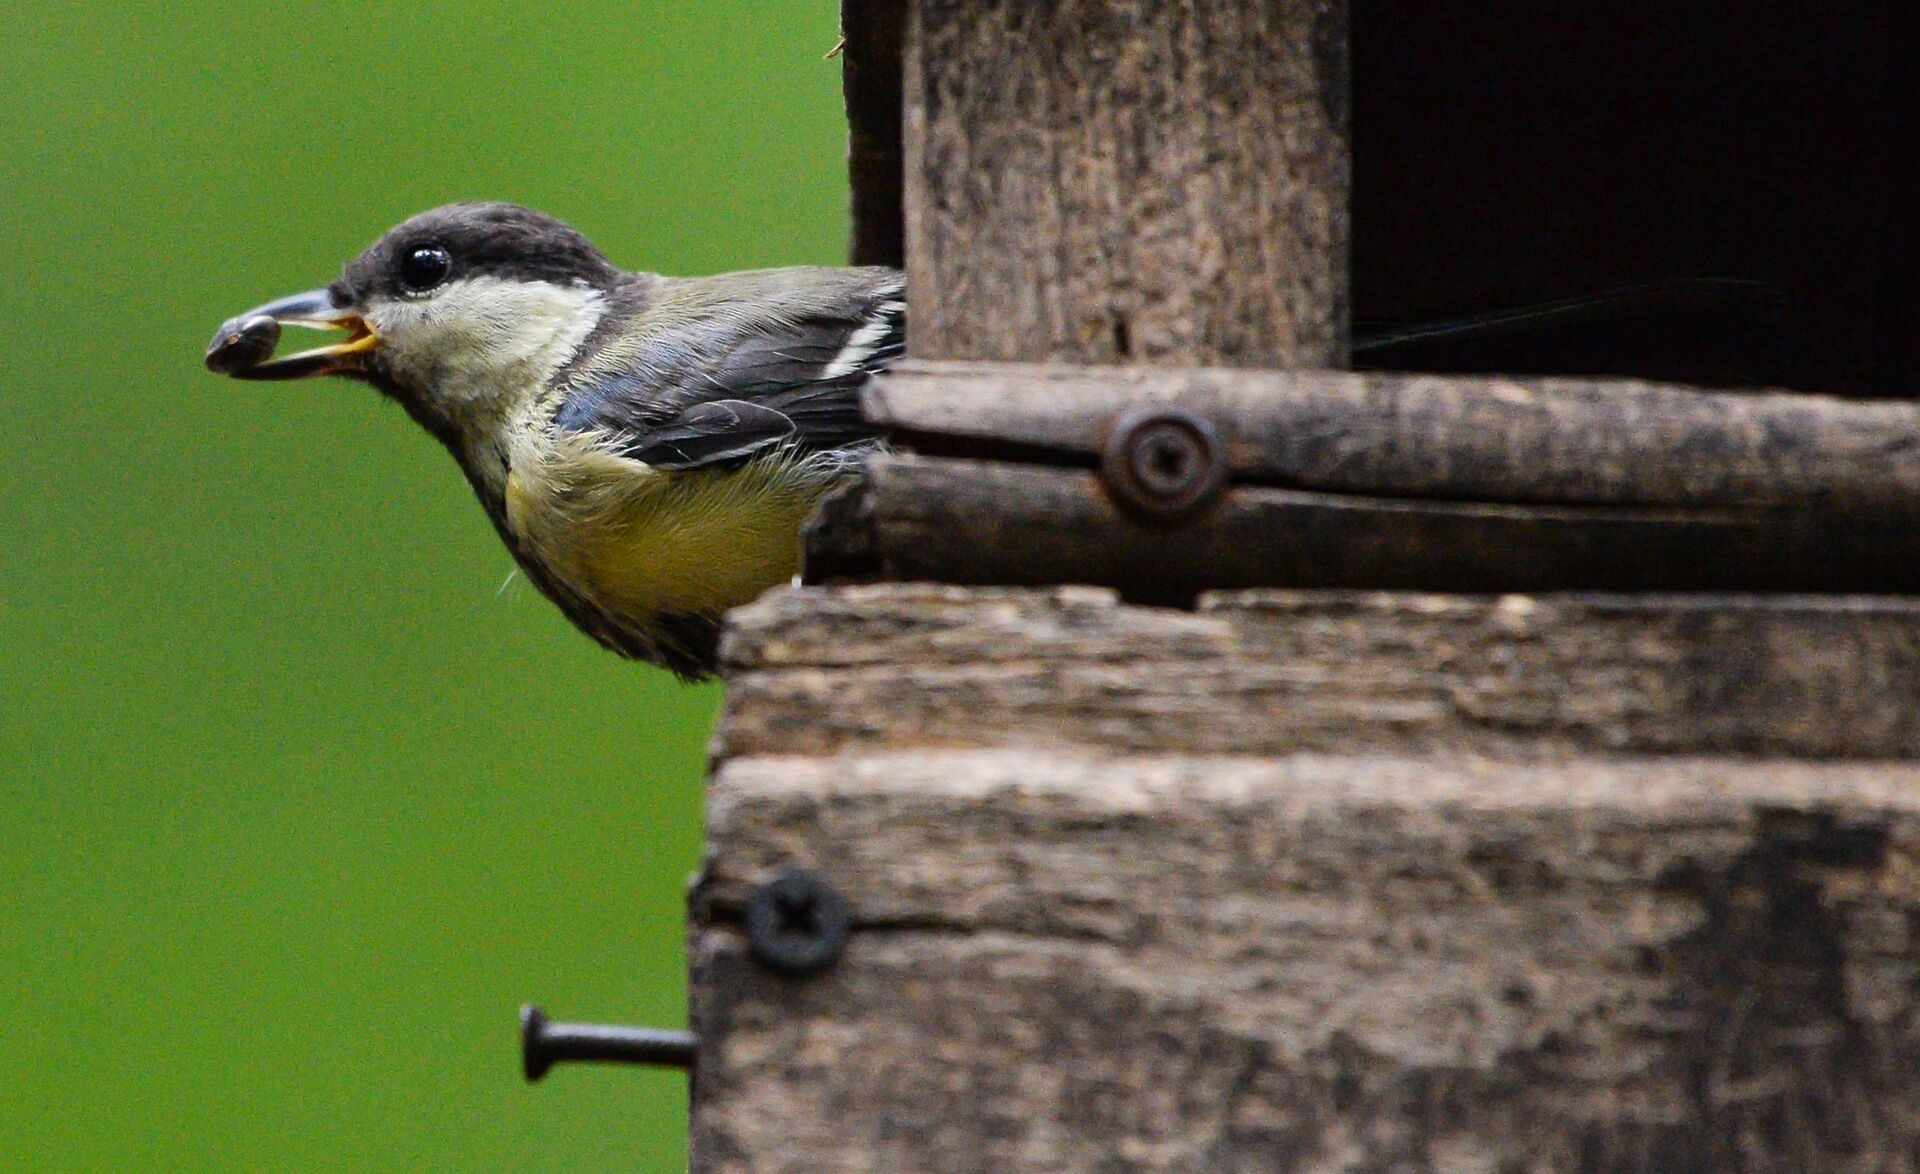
544	1043
796	924
1163	464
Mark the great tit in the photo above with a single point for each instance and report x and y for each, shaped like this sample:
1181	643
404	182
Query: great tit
647	447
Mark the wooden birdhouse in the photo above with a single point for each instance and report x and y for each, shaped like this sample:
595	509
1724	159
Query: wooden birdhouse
1385	636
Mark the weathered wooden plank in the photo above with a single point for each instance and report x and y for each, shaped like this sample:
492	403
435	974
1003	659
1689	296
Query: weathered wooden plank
1538	678
1118	180
1470	438
991	522
1068	961
874	33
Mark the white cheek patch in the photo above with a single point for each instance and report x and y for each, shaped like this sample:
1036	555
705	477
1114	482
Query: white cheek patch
481	337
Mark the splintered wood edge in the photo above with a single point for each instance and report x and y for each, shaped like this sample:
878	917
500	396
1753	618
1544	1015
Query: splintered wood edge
819	671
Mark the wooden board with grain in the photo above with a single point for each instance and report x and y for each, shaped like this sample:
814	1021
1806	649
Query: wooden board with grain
1489	439
1339	479
1113	181
993	522
1068	962
1306	879
1284	672
1319	881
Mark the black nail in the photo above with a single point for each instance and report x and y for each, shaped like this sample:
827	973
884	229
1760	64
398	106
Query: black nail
544	1043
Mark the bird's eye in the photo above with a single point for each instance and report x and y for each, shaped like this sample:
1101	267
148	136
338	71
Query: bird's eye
424	266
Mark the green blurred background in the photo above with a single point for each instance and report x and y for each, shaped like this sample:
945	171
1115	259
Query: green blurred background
299	802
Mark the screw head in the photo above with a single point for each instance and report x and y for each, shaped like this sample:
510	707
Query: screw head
796	924
1163	464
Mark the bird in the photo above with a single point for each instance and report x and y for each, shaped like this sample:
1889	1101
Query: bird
647	447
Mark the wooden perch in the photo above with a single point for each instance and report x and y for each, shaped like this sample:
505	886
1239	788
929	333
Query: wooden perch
1600	442
1348	480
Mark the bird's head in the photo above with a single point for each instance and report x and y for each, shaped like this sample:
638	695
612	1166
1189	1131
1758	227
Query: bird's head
452	312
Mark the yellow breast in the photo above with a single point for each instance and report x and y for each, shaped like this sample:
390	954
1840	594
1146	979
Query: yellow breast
638	542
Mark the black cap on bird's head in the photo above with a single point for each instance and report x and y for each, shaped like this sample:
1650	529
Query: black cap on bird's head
468	240
439	295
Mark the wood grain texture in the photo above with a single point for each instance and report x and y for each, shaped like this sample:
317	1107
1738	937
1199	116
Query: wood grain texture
1465	438
1299	879
1534	678
1070	961
1128	181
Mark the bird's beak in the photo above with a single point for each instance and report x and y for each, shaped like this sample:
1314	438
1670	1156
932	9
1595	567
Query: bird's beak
243	346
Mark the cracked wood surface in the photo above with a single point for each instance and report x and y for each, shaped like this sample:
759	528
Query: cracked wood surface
913	517
1478	438
1318	881
1335	479
1118	181
1072	961
817	671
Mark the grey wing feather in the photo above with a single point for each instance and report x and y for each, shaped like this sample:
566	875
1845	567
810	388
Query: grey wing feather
716	388
716	432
